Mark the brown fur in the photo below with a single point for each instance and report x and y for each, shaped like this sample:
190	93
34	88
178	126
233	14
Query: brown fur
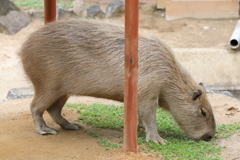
86	57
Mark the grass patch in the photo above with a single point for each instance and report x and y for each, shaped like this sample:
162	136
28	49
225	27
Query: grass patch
39	4
108	144
226	130
178	146
65	4
27	4
102	116
105	142
94	134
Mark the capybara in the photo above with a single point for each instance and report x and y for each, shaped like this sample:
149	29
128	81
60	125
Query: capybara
86	57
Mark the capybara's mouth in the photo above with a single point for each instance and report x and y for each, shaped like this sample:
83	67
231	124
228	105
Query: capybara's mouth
207	137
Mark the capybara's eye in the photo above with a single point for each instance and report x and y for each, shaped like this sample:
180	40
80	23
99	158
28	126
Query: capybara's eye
203	112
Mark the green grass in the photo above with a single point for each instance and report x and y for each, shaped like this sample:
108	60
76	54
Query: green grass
177	147
94	134
39	4
108	144
27	4
65	4
226	130
105	142
101	116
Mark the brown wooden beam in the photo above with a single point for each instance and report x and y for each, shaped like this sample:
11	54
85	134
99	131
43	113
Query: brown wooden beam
49	11
131	75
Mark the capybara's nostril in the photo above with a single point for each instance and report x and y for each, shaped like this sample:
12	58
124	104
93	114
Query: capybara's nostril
206	137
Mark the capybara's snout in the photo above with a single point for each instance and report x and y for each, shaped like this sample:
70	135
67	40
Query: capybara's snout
208	136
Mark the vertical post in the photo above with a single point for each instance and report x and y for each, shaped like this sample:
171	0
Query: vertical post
49	11
131	75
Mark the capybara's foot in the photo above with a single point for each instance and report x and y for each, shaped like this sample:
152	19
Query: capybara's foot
71	126
47	130
155	138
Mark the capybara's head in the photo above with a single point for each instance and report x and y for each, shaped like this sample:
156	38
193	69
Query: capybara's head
194	115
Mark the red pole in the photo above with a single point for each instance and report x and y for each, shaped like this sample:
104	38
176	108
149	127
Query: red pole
131	75
49	11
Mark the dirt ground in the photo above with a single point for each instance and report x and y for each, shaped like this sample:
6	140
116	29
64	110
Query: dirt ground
18	138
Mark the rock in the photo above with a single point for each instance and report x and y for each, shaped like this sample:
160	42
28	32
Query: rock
78	7
114	8
63	13
226	93
94	11
6	6
11	18
3	100
17	93
206	27
14	21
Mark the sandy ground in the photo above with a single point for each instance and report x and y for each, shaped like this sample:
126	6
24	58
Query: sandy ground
18	139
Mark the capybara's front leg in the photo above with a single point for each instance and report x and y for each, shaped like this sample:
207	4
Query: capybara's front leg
148	117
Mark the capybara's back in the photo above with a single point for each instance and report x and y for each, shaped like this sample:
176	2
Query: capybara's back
76	58
86	57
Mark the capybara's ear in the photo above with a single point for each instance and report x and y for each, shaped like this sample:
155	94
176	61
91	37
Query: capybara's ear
196	94
203	85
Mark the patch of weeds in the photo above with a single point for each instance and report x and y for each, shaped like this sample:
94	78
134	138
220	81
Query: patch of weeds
27	4
39	4
177	147
108	144
72	105
226	130
65	4
104	141
100	115
186	149
121	140
94	134
117	136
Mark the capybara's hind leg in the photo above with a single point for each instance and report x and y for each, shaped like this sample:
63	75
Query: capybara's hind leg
38	106
55	112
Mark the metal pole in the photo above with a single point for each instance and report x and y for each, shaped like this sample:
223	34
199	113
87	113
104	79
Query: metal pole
49	11
235	38
131	75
